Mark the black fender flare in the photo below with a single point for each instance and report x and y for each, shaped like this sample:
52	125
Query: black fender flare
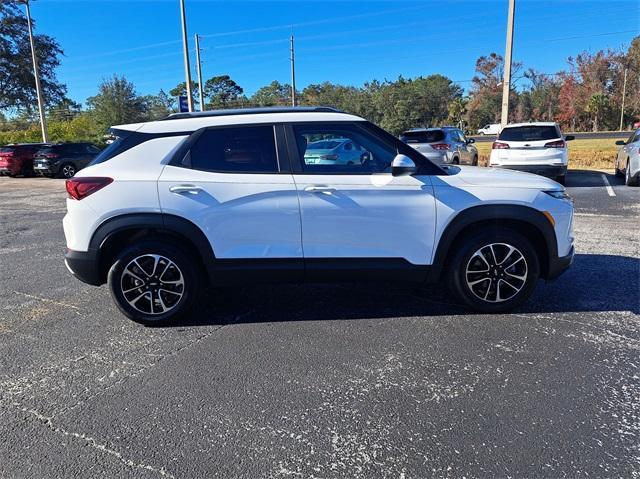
172	224
498	214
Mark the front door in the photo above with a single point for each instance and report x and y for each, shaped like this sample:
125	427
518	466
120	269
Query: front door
358	210
231	186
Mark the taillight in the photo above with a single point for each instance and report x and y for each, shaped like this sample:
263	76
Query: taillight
82	187
329	157
555	144
499	146
50	155
440	146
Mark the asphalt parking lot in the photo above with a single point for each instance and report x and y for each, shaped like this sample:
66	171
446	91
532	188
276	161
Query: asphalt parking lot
348	380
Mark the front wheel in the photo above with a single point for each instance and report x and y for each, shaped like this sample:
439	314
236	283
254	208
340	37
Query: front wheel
494	270
153	282
474	162
628	179
67	170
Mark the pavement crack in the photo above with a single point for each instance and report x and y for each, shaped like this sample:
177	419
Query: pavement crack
47	300
90	441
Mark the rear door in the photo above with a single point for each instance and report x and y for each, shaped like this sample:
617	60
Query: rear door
236	186
360	211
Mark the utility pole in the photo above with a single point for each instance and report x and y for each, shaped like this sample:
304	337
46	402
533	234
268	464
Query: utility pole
185	47
36	74
293	73
506	82
200	85
624	93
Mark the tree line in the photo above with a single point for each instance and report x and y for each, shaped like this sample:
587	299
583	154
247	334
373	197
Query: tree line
587	96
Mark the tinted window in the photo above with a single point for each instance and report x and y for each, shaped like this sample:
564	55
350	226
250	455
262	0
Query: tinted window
372	156
241	149
7	149
430	136
94	150
529	133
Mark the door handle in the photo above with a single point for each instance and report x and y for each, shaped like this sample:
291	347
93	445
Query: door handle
178	189
320	189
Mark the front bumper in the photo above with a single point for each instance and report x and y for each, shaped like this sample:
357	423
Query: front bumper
84	265
551	171
559	265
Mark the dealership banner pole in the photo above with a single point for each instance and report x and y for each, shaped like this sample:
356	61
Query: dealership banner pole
506	82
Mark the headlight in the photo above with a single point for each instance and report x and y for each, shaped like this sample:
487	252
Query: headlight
559	194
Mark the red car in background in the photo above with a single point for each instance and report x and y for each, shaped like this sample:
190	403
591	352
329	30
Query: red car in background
17	159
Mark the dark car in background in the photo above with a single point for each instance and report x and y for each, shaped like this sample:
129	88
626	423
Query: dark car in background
17	159
64	159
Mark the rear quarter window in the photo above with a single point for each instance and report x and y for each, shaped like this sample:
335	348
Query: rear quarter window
530	133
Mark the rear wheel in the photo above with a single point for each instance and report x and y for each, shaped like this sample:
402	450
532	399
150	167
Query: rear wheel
562	179
494	270
153	282
618	171
628	179
474	162
455	161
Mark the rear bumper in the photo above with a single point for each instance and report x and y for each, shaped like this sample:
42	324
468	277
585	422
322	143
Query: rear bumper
9	170
551	171
46	169
559	265
84	265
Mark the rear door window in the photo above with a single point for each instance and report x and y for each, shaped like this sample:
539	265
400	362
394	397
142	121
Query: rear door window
429	136
249	149
529	133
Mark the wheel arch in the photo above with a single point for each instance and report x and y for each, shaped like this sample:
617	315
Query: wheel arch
528	221
120	231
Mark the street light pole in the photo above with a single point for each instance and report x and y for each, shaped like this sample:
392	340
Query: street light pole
185	47
293	73
36	74
199	65
506	82
624	93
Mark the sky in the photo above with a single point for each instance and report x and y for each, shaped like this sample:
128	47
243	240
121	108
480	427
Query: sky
348	42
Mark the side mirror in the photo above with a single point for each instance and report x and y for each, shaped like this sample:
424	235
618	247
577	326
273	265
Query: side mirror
621	142
403	166
569	138
470	140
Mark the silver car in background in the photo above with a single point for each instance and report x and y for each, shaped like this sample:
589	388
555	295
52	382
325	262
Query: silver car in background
446	145
628	159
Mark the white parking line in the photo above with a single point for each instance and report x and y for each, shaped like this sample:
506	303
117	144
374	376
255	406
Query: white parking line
607	185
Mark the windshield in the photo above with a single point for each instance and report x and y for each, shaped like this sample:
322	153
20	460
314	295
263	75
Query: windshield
529	133
7	149
429	136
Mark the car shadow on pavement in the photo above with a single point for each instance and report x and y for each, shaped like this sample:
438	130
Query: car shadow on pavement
593	283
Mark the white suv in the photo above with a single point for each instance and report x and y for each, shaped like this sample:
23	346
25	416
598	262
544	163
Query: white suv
536	147
222	198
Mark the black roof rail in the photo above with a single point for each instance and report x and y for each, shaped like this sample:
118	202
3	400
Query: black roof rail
253	111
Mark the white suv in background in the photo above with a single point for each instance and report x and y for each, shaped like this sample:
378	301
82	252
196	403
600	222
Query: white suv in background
231	197
532	147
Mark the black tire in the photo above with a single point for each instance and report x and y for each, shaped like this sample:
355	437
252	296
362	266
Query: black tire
628	179
618	171
460	273
562	179
155	305
474	162
455	161
67	170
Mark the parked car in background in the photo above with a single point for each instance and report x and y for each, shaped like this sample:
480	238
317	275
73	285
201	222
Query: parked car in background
446	145
491	129
537	147
339	151
64	159
17	159
628	159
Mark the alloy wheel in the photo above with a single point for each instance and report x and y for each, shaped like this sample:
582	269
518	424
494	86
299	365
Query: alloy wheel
152	284
68	171
496	272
